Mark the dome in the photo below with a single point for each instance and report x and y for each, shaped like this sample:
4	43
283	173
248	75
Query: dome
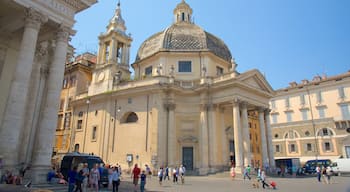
183	36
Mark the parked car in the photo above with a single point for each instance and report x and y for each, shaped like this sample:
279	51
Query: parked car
74	159
341	166
310	165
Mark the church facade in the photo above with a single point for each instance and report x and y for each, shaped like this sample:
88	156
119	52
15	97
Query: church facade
187	103
33	48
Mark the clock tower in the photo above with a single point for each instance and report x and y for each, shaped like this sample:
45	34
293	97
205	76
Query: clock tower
113	56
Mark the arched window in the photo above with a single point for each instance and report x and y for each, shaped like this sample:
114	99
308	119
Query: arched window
76	147
131	118
291	135
325	132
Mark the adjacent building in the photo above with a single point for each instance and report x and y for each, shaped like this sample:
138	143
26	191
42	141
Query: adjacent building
311	119
33	48
186	104
77	78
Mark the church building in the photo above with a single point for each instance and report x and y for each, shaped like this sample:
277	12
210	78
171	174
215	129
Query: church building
186	104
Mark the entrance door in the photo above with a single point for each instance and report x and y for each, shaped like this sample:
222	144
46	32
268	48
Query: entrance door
187	157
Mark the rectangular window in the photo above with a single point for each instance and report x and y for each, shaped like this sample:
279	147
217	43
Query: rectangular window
67	118
304	114
148	71
94	133
277	148
286	102
219	70
321	112
302	99
273	104
79	124
308	147
185	66
73	80
343	125
292	148
325	132
274	118
341	92
327	146
69	102
319	97
289	116
345	111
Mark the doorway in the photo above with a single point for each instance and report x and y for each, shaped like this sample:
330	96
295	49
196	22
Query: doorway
187	158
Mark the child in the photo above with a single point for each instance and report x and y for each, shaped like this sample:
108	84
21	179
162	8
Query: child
143	181
273	184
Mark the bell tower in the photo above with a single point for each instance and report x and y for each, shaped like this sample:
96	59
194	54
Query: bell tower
113	55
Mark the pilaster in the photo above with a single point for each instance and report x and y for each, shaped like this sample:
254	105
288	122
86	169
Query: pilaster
269	138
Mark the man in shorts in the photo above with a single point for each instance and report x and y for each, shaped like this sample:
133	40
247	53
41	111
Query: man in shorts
135	175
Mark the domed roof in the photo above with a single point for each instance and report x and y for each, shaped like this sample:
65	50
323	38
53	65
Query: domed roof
183	36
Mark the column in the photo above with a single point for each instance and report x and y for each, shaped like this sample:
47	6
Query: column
225	152
127	60
213	147
203	143
113	51
15	112
124	52
171	135
43	57
263	137
100	55
269	139
237	137
246	135
45	134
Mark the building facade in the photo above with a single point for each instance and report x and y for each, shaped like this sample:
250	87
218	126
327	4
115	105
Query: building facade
311	119
77	77
187	104
33	49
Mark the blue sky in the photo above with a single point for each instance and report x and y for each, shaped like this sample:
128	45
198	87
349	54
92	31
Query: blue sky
287	40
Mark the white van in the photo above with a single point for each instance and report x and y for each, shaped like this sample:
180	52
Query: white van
341	166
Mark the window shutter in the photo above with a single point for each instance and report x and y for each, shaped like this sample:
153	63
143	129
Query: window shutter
289	148
331	146
324	147
296	147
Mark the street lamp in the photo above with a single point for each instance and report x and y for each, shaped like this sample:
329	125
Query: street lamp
86	120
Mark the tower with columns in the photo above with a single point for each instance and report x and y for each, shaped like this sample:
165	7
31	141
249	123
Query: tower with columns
113	55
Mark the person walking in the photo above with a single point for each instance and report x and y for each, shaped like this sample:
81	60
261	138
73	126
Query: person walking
95	177
263	179
233	173
160	175
246	173
143	181
175	174
115	178
86	173
135	175
79	179
166	174
182	171
71	178
318	172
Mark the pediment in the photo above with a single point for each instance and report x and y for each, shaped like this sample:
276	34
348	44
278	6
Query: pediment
256	80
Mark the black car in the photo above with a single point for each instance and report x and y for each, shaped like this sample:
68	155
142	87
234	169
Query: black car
74	159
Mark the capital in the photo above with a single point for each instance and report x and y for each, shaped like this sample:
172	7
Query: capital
34	19
63	33
170	106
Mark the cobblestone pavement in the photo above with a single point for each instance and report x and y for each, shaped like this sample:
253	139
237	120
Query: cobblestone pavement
216	184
